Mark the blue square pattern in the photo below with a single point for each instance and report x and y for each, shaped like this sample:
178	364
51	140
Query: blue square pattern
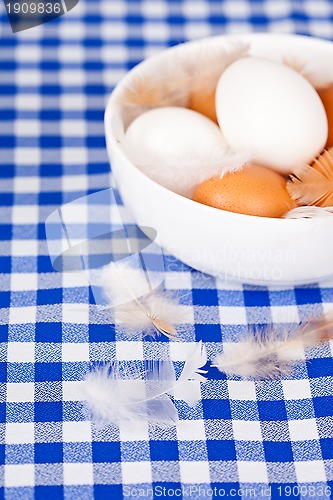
48	332
163	450
215	408
103	491
53	296
106	452
3	372
5	299
101	333
204	297
53	151
272	410
48	453
48	412
278	451
221	450
208	333
327	448
308	296
49	492
254	298
318	368
48	371
5	264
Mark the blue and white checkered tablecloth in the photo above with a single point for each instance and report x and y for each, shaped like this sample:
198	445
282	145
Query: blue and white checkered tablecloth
245	439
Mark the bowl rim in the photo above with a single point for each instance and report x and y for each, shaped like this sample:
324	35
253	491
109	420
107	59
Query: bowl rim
112	105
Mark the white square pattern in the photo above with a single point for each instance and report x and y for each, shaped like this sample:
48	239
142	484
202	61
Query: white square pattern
21	352
296	389
73	128
126	351
178	281
25	214
310	472
26	185
252	472
20	392
23	281
194	472
180	351
27	127
19	475
27	156
74	156
232	315
78	473
22	315
75	183
72	390
137	432
74	351
246	430
78	314
76	432
302	430
20	433
136	472
242	390
285	314
24	248
191	430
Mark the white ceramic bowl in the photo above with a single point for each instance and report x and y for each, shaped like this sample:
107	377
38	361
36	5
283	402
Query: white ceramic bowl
254	250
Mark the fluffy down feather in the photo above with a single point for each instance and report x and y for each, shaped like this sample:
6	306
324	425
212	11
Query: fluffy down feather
185	76
267	355
309	212
196	170
123	395
138	303
313	184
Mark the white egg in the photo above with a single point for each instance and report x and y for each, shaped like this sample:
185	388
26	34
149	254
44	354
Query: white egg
270	109
176	147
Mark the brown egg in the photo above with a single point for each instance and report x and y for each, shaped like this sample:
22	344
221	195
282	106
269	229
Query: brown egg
326	95
253	190
203	103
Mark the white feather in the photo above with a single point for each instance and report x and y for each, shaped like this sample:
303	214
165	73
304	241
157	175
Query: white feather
117	394
186	386
194	68
204	63
193	171
267	355
138	302
309	212
123	283
235	160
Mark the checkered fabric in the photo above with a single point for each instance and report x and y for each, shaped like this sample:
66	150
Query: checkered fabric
244	439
